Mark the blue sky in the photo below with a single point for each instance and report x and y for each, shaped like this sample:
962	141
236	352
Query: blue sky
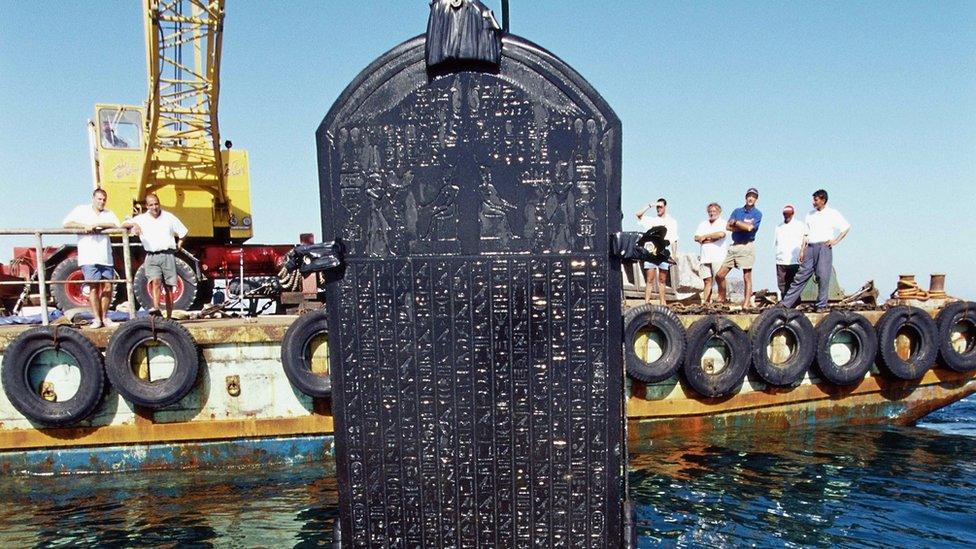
876	102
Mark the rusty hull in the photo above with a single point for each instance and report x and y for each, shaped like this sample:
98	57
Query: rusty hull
161	440
147	427
875	399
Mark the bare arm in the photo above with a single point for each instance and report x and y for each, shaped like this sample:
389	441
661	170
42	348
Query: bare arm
740	226
641	213
76	225
840	237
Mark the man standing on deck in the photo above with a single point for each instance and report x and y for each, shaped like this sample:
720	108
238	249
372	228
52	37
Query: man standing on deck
660	270
162	236
95	252
825	228
744	224
789	239
714	245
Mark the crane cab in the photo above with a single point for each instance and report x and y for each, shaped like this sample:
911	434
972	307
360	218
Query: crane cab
118	136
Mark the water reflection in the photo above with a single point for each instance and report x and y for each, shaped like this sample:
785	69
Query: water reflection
248	507
864	486
857	486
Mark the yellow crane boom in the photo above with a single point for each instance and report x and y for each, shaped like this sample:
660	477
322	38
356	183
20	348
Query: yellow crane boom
183	43
172	147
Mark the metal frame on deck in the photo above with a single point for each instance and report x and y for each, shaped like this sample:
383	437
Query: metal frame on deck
42	281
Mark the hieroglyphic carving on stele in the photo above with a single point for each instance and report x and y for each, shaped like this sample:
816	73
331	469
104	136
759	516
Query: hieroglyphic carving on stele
476	364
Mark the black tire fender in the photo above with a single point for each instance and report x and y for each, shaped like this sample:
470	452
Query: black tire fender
952	314
769	322
294	355
188	279
866	341
924	331
160	393
731	376
665	321
17	360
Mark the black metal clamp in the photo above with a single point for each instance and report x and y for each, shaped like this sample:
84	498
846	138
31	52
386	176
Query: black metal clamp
313	258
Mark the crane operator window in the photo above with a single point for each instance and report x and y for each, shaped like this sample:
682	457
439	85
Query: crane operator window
119	129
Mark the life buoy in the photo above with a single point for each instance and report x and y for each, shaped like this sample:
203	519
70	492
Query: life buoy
672	333
702	373
956	334
141	333
906	342
296	354
859	343
20	356
800	342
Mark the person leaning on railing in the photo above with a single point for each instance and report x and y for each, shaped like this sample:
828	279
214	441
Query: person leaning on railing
162	236
95	252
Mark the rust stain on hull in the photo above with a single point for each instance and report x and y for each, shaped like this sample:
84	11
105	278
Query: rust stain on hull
873	400
146	432
270	329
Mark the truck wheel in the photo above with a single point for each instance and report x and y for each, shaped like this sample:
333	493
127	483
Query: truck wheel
70	296
184	294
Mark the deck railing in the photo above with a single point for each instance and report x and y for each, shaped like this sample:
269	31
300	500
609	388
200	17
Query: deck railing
42	281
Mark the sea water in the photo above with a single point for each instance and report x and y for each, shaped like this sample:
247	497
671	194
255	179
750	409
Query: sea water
853	487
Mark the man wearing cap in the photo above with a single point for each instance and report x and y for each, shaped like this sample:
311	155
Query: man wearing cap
744	224
825	228
789	239
671	234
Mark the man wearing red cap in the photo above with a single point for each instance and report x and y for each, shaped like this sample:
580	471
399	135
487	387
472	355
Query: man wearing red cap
789	238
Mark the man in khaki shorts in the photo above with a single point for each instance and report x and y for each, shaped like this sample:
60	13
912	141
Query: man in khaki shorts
162	236
744	224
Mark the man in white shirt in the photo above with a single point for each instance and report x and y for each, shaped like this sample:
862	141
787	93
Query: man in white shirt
162	236
825	228
711	234
95	252
671	234
789	239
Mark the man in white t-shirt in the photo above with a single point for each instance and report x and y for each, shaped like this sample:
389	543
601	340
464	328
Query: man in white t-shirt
95	252
711	234
825	228
789	239
662	219
162	236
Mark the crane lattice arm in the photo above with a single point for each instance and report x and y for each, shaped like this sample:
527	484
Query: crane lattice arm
183	43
